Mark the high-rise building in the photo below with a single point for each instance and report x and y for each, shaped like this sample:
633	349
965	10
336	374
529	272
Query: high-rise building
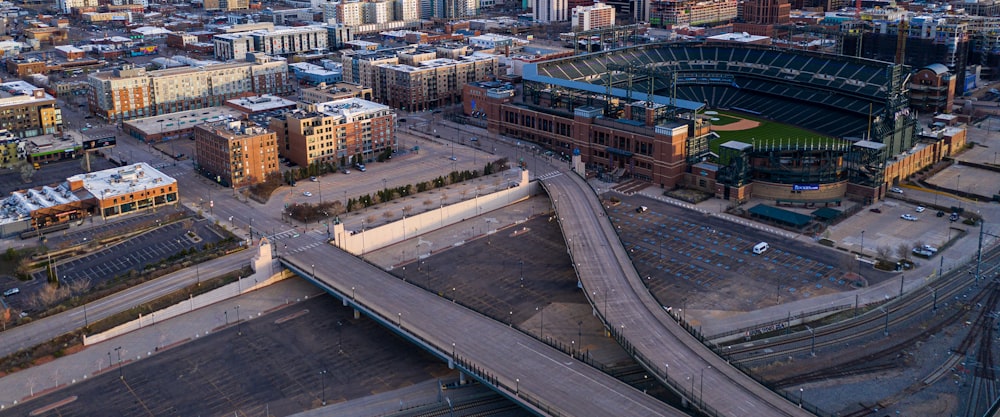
350	130
67	6
545	11
26	110
236	153
598	16
229	46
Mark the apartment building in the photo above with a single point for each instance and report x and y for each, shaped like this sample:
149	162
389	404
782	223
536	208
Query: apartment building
350	130
67	6
932	89
290	41
669	13
226	5
236	153
26	110
228	46
598	16
129	93
359	66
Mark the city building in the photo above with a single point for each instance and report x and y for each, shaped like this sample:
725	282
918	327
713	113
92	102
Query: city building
312	74
290	41
129	92
336	132
932	88
227	5
337	91
228	46
432	83
545	11
67	6
26	110
235	153
670	13
598	16
109	193
178	125
261	104
759	17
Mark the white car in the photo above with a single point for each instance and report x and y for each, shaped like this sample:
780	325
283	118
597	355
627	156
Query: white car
896	190
909	217
11	292
920	209
307	194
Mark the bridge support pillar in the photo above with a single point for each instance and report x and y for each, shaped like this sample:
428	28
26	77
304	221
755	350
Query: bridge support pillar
357	314
345	301
461	378
451	363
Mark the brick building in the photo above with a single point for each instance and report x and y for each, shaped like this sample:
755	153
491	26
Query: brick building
236	153
932	88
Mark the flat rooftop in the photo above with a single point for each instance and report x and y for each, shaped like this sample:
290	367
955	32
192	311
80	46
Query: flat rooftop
122	180
262	103
171	122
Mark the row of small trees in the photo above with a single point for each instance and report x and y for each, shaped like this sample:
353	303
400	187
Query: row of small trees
312	212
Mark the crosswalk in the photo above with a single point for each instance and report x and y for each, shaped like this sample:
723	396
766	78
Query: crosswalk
303	248
549	175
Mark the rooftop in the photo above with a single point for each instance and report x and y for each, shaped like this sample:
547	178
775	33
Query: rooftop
349	107
262	103
122	180
172	122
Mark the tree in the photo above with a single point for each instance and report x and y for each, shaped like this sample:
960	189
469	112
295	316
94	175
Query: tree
903	251
883	252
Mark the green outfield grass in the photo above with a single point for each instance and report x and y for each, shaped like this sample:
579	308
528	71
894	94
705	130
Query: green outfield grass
768	131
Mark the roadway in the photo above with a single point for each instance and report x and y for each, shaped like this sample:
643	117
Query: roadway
48	328
643	326
543	379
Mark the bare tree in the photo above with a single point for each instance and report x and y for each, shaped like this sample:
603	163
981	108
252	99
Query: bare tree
903	251
370	219
388	214
883	252
407	209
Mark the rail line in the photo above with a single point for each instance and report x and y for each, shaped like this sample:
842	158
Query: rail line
899	311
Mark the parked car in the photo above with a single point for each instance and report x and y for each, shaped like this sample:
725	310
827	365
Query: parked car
929	248
896	190
11	292
313	179
909	217
360	167
953	217
345	171
875	210
307	194
920	209
641	209
922	252
940	214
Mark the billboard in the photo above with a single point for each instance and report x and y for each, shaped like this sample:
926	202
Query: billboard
805	187
106	142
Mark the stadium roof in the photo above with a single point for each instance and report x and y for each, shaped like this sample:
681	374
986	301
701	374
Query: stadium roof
531	74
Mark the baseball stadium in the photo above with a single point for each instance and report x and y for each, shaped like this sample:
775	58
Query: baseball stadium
733	120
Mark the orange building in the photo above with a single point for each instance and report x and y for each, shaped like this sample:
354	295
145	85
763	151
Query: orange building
932	88
235	153
350	130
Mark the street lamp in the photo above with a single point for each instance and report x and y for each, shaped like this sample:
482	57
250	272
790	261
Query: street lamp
238	331
862	243
121	374
701	386
800	397
812	347
541	325
322	380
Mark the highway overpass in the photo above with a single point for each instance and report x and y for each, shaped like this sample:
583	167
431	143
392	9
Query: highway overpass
544	380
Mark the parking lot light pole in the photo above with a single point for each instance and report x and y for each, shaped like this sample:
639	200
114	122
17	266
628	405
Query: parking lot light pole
121	374
812	346
322	380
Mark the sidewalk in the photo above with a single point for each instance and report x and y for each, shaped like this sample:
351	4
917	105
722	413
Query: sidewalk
25	385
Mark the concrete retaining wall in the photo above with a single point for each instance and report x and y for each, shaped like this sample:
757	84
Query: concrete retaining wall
244	285
368	240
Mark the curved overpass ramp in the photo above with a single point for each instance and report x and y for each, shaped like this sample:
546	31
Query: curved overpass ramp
542	379
640	324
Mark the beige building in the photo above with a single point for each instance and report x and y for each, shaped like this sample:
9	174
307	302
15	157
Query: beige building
26	110
226	4
132	92
350	131
431	83
598	16
236	153
668	13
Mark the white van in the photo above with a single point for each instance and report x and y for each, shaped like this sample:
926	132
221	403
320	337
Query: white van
761	248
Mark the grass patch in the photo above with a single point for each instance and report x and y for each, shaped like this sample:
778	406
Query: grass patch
769	131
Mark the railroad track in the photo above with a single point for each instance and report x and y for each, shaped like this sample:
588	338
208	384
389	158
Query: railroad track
902	310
